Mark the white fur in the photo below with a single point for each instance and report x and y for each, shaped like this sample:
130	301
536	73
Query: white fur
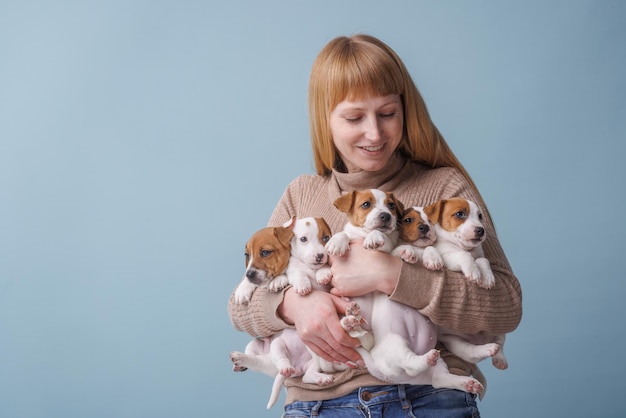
461	251
308	267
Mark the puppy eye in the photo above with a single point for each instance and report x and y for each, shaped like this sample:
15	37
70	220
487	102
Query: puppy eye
266	253
366	205
325	238
480	216
391	206
407	220
247	256
303	239
460	214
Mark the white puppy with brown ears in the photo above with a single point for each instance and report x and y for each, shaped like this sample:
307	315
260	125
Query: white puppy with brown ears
460	234
308	265
417	236
267	257
372	215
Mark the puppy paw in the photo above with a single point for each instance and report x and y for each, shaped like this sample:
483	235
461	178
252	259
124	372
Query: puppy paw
301	284
324	276
499	361
473	274
432	259
236	358
487	280
374	240
278	283
407	253
473	386
244	292
287	371
337	245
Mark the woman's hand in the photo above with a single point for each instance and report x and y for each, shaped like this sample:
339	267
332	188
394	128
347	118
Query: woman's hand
316	318
361	271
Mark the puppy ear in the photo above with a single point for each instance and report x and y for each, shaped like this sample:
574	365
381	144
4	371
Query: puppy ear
283	234
398	204
434	211
323	226
345	202
290	223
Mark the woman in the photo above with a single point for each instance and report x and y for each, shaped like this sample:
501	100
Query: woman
370	129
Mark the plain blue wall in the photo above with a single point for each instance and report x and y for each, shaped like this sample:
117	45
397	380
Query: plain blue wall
142	142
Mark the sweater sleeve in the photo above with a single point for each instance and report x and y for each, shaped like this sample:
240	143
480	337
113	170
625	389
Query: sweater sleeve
449	299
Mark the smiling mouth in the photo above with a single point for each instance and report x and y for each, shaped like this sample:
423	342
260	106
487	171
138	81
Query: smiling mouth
373	149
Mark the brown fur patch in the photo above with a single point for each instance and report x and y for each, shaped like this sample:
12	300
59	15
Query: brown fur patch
323	230
270	249
409	225
444	212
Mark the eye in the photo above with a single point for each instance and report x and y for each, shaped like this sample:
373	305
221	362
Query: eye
247	256
325	238
366	205
480	216
353	119
391	205
387	115
303	239
407	220
266	253
460	214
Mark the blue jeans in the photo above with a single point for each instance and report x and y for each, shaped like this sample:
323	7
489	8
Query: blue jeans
392	401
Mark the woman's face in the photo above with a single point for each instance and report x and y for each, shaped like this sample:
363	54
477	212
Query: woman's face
367	132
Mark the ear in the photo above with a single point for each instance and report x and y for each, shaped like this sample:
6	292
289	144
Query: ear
283	234
434	211
398	204
345	202
324	226
290	223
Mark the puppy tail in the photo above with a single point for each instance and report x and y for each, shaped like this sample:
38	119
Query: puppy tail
278	384
478	374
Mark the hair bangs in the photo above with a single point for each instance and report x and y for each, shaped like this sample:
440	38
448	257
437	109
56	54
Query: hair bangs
362	71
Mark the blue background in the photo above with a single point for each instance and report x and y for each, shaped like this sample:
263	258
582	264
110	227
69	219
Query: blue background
142	142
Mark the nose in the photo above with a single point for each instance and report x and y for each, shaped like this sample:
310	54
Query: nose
384	217
423	228
251	274
479	231
319	257
373	129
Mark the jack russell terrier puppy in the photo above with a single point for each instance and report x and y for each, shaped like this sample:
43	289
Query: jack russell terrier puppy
403	338
460	234
308	264
267	256
417	235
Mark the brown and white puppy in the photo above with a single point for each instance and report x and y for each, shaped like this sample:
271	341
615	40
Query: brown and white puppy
372	215
417	235
267	257
308	265
460	234
403	339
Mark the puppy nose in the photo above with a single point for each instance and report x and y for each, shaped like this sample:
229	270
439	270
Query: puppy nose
424	228
319	257
250	274
384	217
479	231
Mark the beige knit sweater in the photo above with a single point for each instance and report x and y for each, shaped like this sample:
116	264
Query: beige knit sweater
446	297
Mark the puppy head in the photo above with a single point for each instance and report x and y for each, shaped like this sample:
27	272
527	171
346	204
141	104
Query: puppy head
267	254
309	240
458	220
371	209
415	228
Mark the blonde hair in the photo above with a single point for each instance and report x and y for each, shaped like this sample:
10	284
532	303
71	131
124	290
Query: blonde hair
349	68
